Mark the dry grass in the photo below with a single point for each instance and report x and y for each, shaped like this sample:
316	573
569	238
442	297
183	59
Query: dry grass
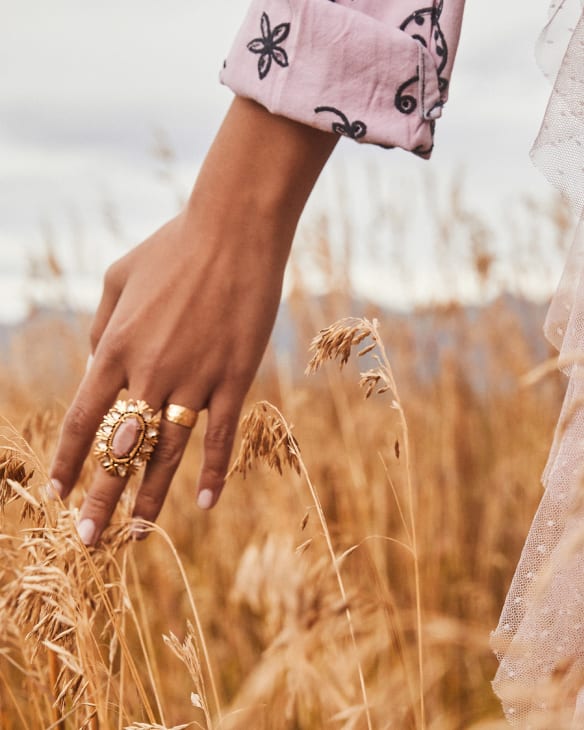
350	576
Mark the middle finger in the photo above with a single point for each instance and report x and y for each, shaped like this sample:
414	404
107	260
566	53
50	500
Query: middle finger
162	467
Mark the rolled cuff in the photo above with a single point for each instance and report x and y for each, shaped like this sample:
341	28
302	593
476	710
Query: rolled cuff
339	70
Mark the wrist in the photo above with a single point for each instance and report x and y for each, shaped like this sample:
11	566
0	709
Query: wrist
263	164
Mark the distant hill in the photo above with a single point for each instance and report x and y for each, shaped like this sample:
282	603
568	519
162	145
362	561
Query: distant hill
431	331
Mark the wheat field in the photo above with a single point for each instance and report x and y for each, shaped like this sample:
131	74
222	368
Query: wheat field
359	556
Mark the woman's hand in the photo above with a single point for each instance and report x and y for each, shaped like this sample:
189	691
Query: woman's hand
185	317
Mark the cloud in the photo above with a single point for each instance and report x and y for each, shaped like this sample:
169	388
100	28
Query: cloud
90	83
91	73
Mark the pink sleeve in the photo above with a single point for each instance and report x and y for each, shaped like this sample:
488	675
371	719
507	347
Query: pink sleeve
373	71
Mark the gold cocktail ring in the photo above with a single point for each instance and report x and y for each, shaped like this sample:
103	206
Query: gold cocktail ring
126	437
180	415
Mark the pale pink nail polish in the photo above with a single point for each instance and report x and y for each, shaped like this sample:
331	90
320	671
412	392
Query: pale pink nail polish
54	489
87	530
140	531
205	499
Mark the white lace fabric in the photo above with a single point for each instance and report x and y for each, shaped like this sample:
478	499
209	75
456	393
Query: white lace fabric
540	637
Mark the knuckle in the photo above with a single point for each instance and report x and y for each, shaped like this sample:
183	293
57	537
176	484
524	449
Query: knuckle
76	421
218	442
100	502
220	436
214	474
147	374
113	275
168	453
112	348
148	505
239	378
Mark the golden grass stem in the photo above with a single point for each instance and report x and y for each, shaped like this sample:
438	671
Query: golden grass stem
417	582
122	681
156	528
15	702
140	633
53	679
396	499
334	559
122	639
412	513
144	622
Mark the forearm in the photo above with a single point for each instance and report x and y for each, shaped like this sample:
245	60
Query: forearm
261	168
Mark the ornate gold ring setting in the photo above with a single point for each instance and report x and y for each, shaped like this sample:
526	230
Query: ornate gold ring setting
181	415
126	437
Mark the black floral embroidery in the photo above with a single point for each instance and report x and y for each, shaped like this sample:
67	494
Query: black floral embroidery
354	130
268	46
405	102
437	38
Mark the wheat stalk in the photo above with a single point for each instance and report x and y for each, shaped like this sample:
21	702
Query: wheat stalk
336	342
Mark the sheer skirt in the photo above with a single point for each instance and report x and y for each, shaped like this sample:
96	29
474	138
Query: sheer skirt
540	637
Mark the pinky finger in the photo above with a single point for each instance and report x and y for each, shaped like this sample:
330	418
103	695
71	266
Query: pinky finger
221	427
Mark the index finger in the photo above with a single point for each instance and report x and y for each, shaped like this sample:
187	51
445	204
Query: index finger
95	395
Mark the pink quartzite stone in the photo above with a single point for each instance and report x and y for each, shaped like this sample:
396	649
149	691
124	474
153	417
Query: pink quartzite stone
126	436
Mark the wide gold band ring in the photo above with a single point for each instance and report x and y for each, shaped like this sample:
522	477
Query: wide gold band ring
181	415
126	437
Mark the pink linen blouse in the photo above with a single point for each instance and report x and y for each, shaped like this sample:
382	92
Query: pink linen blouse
373	70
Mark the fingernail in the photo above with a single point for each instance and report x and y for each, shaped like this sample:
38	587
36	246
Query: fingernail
88	363
87	529
53	489
140	530
205	499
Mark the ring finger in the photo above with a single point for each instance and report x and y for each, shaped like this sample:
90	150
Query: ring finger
126	438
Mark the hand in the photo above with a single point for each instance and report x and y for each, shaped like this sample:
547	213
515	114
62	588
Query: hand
185	317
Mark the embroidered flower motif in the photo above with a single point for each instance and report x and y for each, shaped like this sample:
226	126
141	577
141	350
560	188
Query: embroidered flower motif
424	26
417	24
354	130
268	46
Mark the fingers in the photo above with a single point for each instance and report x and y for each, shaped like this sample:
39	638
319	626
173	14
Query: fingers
106	489
92	401
99	505
222	422
221	427
160	470
112	288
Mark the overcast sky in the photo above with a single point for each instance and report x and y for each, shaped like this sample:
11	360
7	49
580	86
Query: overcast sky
84	87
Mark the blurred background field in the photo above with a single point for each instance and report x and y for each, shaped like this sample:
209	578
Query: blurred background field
90	86
82	636
455	259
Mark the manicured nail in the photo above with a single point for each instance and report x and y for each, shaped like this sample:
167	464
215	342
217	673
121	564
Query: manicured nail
205	499
140	531
54	489
87	529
